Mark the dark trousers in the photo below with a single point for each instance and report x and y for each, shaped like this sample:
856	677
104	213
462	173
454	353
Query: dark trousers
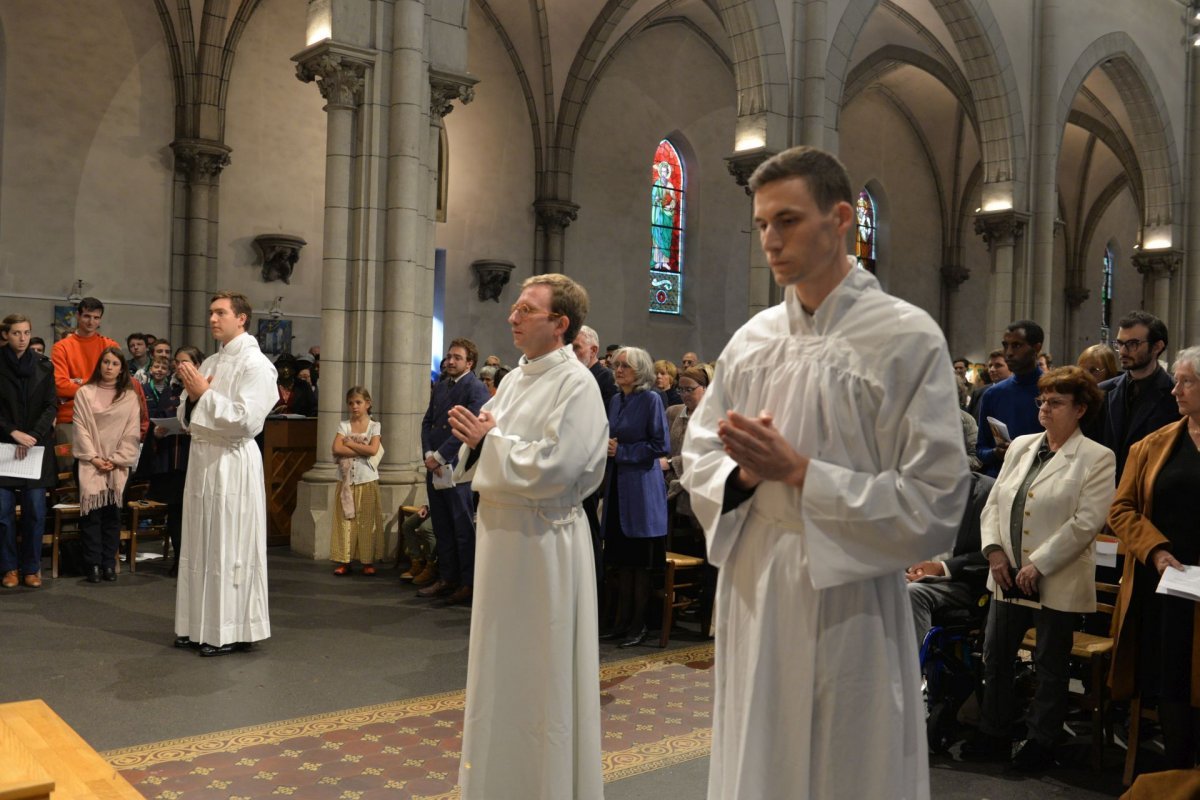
1006	626
33	524
167	488
453	515
101	534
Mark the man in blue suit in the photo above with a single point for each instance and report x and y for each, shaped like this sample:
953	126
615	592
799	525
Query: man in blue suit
451	508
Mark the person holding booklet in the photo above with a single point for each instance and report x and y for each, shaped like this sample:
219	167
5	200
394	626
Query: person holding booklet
1153	515
1010	402
28	404
1037	529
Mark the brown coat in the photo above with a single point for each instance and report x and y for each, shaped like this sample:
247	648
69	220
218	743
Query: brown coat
1129	519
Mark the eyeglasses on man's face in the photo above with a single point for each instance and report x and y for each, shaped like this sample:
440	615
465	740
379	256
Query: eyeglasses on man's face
1127	344
522	310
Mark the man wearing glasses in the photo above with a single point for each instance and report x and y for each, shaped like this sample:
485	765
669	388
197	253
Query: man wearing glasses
535	451
1139	400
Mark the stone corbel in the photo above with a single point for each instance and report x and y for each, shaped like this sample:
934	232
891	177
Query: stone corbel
445	87
339	71
279	252
1000	227
1075	296
200	160
556	214
954	275
493	275
1158	263
742	164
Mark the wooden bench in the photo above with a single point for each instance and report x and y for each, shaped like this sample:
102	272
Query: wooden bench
43	757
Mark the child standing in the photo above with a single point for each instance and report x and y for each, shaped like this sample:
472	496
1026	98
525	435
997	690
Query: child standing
358	520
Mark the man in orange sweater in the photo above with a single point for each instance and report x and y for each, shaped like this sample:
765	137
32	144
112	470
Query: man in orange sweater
75	357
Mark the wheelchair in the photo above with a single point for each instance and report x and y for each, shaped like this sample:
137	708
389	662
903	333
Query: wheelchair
951	659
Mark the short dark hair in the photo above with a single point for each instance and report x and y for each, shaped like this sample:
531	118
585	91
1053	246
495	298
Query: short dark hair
1076	382
1156	327
129	339
469	347
123	379
37	340
193	353
237	301
89	304
825	176
1032	331
963	361
995	354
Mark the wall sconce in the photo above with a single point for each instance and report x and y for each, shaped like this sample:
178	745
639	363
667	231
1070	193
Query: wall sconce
493	276
276	311
76	293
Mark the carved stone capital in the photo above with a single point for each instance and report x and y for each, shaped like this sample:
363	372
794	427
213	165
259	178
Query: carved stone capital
493	275
279	252
200	160
1000	227
1076	295
742	165
954	275
1158	263
338	69
555	214
446	87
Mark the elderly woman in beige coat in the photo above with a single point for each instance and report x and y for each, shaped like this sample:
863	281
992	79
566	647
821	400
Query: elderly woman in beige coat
1049	502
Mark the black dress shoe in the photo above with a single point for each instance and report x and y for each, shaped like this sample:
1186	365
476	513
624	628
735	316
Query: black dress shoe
1032	756
93	573
613	633
208	650
110	574
184	641
635	639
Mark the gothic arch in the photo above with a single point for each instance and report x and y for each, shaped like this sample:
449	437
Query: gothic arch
893	56
988	70
1153	138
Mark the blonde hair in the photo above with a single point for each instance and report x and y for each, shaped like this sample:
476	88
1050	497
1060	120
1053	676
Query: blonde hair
567	299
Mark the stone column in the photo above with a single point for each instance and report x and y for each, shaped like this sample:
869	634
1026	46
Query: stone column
201	163
1188	330
953	276
1157	267
1001	232
763	291
340	80
553	217
1038	298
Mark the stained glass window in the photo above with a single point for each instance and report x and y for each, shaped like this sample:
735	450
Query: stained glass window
667	186
1106	293
865	230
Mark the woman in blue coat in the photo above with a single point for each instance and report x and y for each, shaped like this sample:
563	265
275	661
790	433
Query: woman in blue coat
635	496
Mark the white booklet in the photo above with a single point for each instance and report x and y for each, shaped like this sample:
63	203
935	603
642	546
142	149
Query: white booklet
999	430
171	424
29	467
1185	584
445	480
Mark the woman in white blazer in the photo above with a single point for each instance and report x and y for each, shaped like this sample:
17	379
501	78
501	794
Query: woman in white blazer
1049	502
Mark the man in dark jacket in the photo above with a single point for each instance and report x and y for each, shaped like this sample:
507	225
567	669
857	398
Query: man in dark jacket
958	581
28	404
1139	400
451	508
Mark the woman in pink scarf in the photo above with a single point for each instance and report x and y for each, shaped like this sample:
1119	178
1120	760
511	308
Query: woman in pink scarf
107	435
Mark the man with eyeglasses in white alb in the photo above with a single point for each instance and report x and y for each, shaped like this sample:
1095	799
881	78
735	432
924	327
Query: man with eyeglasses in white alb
1139	400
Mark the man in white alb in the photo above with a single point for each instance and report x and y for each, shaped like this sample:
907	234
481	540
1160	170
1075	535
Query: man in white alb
825	458
536	450
221	597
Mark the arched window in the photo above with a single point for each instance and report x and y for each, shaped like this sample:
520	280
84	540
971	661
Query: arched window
1106	293
865	230
667	185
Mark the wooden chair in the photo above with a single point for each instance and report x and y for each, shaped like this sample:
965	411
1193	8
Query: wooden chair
1137	714
155	513
675	564
1094	652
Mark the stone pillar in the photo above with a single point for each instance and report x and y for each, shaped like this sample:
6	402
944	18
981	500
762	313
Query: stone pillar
1157	268
953	276
553	217
815	51
1187	332
201	163
1038	298
763	291
1001	232
1075	296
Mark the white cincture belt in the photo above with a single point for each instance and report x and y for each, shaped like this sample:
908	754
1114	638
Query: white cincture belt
554	515
208	437
791	525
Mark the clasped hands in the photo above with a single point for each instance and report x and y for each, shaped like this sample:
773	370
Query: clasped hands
470	428
1026	579
24	442
760	451
102	464
193	382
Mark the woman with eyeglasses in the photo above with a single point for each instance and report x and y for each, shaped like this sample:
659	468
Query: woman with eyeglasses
1154	516
635	496
1037	528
